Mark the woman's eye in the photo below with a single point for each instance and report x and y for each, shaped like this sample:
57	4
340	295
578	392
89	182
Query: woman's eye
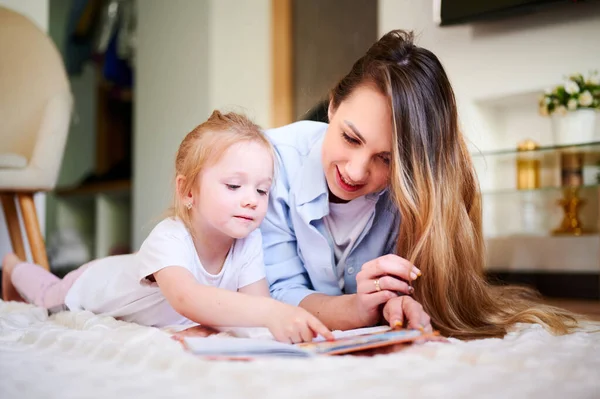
262	192
384	159
350	140
232	187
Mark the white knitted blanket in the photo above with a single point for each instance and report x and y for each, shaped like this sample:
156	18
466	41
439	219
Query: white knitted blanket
79	355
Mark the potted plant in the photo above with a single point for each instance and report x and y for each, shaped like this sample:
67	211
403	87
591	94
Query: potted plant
574	108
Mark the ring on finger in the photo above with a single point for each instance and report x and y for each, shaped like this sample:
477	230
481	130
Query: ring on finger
377	286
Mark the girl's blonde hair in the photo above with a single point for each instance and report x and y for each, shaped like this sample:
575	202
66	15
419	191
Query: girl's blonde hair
204	146
436	190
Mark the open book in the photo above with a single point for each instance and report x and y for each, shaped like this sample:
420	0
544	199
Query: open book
345	342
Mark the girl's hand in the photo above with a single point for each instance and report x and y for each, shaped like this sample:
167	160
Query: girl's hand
292	324
196	331
405	310
379	281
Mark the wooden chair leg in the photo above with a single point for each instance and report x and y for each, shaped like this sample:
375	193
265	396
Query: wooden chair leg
12	222
32	226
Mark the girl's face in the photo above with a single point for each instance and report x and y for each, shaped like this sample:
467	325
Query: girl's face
233	193
357	148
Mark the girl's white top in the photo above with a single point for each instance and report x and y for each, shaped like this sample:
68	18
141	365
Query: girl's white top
118	286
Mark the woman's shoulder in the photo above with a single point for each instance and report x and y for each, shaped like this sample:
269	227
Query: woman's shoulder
299	136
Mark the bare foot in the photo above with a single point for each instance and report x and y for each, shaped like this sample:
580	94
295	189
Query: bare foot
9	293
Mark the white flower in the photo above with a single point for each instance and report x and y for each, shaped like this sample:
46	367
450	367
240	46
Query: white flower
572	104
586	99
547	100
571	87
576	76
561	110
594	80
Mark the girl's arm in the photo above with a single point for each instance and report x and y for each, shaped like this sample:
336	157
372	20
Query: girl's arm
259	288
222	308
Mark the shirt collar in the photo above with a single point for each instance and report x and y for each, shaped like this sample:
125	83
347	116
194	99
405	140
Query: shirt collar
312	176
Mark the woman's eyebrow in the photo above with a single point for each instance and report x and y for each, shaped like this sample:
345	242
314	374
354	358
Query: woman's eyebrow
355	130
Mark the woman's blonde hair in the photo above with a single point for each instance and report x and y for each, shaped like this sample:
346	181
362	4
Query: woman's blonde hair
204	146
435	188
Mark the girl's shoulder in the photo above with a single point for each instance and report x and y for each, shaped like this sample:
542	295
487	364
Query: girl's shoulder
169	228
248	246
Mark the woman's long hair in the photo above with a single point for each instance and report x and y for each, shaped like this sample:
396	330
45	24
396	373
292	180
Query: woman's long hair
434	185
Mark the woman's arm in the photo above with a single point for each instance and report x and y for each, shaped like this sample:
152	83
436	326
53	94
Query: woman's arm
336	312
379	281
222	308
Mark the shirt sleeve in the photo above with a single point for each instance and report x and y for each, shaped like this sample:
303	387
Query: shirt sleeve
253	268
286	274
164	247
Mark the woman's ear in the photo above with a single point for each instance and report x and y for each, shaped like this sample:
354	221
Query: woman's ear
330	110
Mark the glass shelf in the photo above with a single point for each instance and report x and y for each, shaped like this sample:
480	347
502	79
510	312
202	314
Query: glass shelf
548	189
582	147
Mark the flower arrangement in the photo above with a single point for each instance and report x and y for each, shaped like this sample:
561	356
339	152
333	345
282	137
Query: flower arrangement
576	93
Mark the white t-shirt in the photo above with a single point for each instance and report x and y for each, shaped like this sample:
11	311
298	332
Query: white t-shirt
345	223
117	285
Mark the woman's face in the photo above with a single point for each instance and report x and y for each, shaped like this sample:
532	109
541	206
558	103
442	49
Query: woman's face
358	144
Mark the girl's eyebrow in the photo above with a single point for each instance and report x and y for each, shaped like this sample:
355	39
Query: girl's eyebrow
244	175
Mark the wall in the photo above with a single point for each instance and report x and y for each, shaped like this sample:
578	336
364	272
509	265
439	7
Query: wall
37	11
341	29
192	57
239	57
494	60
171	96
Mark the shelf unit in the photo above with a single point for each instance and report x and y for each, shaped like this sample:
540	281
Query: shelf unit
100	214
518	223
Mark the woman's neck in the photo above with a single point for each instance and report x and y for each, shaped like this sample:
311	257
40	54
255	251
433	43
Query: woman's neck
212	247
335	200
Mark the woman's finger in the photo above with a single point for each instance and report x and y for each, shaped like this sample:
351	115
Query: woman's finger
416	316
393	313
375	299
389	265
384	283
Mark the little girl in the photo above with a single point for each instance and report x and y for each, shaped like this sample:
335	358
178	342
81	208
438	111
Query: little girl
203	264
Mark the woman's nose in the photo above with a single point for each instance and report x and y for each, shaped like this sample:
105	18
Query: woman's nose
357	169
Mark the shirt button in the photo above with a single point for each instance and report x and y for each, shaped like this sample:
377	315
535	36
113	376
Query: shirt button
351	270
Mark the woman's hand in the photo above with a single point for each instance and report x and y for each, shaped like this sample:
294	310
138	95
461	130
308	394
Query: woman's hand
406	310
380	281
292	324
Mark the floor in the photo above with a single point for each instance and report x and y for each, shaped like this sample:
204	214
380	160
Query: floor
590	309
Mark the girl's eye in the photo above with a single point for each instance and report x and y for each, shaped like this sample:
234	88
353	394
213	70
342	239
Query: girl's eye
262	192
232	187
350	140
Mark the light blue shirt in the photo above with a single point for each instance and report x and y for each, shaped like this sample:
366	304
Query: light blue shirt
298	249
